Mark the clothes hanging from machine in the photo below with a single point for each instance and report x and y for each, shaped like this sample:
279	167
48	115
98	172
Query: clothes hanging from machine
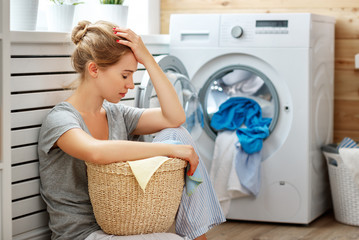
222	173
244	116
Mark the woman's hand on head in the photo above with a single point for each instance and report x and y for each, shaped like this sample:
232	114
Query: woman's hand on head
133	41
187	153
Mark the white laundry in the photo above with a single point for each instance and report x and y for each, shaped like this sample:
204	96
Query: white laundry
350	157
223	174
236	76
250	86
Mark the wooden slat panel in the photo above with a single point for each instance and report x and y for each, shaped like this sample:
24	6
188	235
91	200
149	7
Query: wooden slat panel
24	154
131	93
25	189
28	223
346	85
25	171
24	136
31	118
41	82
346	115
42	233
345	50
27	206
42	48
137	76
28	118
44	99
340	134
40	65
48	82
41	99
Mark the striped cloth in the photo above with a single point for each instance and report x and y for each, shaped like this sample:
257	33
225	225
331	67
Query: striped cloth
347	143
200	211
100	235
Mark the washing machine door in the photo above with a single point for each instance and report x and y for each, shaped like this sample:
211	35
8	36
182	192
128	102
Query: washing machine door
238	81
186	92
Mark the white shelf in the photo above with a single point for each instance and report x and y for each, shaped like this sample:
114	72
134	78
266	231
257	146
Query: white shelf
56	37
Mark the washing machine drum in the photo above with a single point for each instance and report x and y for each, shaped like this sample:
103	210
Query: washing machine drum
238	81
228	82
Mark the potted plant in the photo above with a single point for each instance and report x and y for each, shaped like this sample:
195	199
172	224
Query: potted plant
23	14
113	11
60	15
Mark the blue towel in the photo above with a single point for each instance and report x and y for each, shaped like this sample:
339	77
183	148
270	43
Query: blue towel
237	111
193	181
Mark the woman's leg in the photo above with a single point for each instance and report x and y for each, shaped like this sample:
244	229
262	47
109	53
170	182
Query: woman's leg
100	235
201	211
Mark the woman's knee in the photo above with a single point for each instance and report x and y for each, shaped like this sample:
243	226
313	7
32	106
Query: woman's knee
179	134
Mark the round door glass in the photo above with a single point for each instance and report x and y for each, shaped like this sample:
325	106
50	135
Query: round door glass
238	81
188	96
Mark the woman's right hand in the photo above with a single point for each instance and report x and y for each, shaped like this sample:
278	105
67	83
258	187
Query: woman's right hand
187	153
133	41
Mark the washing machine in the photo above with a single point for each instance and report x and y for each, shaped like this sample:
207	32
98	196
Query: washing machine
286	63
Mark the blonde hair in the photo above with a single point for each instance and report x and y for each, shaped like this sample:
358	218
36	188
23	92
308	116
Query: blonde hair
95	42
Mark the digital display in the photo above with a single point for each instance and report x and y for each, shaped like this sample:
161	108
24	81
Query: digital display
272	23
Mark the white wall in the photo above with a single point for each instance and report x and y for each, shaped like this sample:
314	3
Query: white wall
143	15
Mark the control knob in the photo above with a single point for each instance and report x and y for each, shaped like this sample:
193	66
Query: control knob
237	32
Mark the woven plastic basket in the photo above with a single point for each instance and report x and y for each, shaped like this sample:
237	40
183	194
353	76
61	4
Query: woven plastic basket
345	193
122	208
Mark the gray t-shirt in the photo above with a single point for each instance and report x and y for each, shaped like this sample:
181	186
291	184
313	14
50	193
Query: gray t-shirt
64	178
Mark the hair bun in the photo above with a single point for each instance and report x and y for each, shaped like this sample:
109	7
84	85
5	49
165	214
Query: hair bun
79	31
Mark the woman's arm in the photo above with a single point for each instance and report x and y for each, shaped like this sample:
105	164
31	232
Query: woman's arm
171	113
81	145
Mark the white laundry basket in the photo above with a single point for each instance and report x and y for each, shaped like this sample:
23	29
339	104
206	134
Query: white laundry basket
345	193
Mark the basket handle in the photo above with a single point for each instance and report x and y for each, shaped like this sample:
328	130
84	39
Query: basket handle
333	162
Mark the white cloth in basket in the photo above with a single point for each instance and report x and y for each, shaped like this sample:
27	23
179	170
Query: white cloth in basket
349	153
144	169
350	157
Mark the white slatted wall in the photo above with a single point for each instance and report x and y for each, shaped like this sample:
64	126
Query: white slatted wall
39	72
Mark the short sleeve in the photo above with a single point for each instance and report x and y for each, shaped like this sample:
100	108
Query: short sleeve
131	116
126	116
57	122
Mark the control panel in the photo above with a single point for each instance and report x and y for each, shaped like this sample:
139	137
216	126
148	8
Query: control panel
264	30
271	27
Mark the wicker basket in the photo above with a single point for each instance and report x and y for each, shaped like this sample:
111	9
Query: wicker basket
122	208
345	193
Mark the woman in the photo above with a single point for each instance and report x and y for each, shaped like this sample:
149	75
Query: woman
87	128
